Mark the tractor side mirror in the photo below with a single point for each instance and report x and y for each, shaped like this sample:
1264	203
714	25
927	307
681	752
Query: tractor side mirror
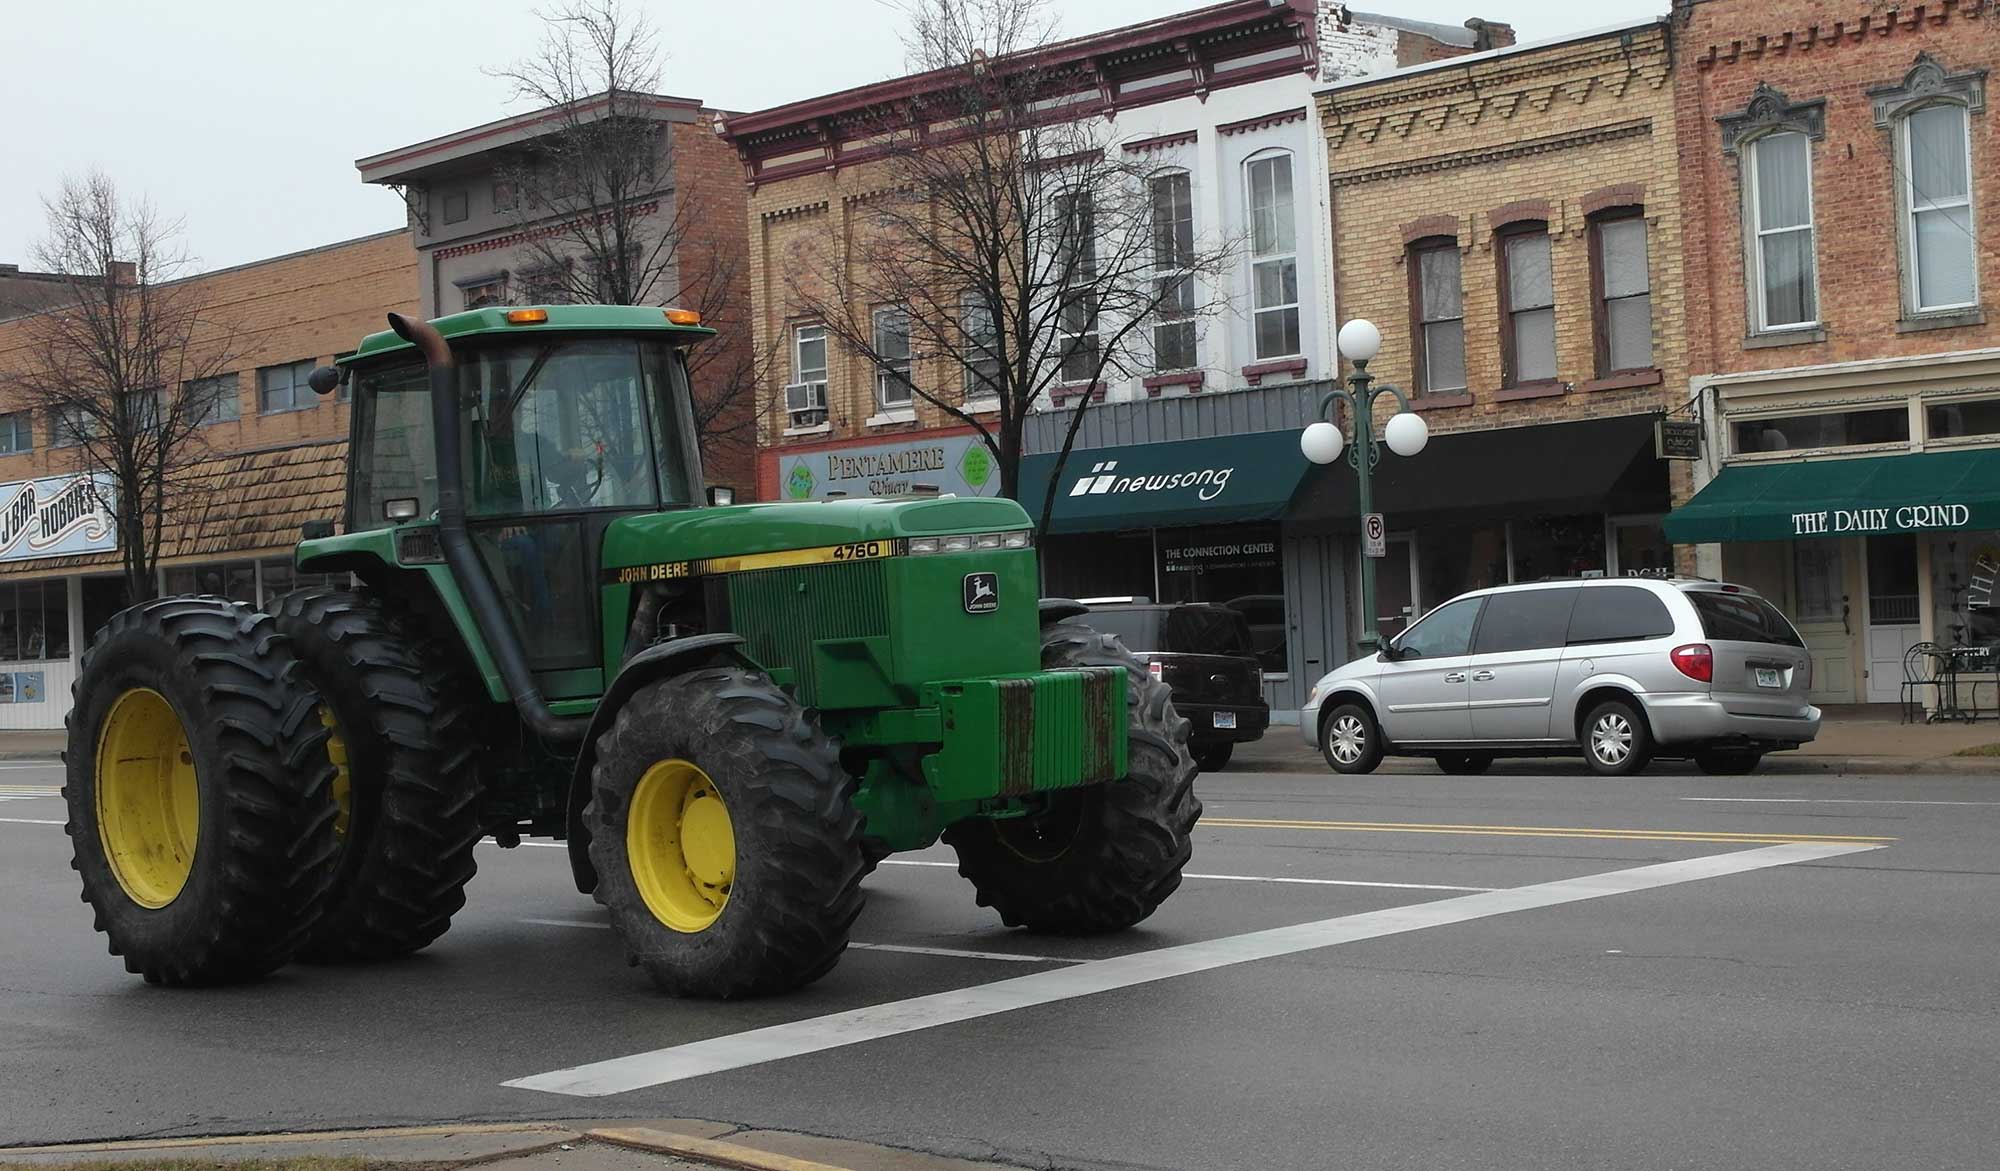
323	379
721	496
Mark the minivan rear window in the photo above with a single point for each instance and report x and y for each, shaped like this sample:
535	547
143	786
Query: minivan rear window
1176	630
1618	613
1742	618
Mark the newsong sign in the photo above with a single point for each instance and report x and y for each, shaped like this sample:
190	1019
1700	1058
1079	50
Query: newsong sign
958	465
55	517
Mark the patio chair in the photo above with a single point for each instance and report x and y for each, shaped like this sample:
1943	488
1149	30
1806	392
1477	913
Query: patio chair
1923	666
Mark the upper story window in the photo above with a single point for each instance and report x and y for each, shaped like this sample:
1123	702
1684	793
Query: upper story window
1077	326
1779	230
283	388
981	359
1172	195
484	291
213	400
893	391
457	206
1857	428
1528	306
69	425
17	432
1437	302
1955	420
1274	262
1624	317
805	397
1936	170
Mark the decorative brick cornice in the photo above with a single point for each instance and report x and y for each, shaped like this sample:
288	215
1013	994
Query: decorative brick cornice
797	209
1093	155
1842	32
1569	140
1163	142
1517	212
1927	81
1770	111
1424	227
1616	195
1263	122
1256	372
1192	379
513	239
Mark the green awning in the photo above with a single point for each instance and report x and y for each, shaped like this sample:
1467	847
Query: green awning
1841	497
1158	485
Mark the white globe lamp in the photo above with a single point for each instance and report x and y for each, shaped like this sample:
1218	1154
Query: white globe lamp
1407	433
1360	340
1321	443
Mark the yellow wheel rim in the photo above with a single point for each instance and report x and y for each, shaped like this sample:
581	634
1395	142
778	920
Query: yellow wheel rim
343	778
148	803
681	845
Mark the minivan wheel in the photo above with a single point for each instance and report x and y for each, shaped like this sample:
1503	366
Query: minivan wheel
1719	763
1465	764
1350	740
1616	740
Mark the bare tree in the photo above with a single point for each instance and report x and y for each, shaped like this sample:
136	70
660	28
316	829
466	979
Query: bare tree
1015	253
601	222
124	367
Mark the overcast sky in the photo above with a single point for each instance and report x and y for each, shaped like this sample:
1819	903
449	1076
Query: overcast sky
244	119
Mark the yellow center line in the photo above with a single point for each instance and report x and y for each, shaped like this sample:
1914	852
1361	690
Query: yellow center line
1535	831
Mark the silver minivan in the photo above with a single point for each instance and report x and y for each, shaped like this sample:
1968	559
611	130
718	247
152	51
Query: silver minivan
1621	669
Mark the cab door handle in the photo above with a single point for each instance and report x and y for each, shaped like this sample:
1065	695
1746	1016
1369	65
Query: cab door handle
1481	676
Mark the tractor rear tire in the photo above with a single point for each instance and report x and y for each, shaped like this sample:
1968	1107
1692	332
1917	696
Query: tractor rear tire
1103	857
724	833
200	799
407	785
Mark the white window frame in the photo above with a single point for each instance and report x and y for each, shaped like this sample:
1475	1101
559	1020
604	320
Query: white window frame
20	432
888	374
1261	260
1174	268
1753	221
1085	248
1907	181
978	352
799	339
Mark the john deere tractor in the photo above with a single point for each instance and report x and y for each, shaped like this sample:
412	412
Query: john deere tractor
729	713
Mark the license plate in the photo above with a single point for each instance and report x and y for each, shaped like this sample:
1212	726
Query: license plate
1766	677
1225	719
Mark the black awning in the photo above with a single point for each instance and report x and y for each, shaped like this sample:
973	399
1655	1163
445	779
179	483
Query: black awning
1593	465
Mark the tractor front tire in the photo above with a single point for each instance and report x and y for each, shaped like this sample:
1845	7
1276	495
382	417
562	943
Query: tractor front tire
201	812
727	846
1103	857
401	741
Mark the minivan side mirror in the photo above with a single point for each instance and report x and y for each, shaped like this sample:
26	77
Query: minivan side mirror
1385	650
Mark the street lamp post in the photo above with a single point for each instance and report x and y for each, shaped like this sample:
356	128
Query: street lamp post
1406	434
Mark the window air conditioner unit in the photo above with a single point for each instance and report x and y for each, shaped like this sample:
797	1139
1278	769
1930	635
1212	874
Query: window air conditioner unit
806	401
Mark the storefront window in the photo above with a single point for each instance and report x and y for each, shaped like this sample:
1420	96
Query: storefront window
1558	546
34	621
1964	569
1239	566
1098	565
1833	429
235	580
1452	559
1643	550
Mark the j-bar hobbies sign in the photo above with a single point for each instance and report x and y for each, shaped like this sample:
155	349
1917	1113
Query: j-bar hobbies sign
55	517
1907	519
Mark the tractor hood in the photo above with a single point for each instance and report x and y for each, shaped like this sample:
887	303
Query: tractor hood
748	529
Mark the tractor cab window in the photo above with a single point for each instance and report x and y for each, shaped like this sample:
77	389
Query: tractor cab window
570	426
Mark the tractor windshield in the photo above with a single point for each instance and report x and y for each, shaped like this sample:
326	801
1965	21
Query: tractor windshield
552	426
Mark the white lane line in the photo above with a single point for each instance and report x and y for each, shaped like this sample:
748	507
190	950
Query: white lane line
908	949
1255	878
1832	801
27	821
777	1042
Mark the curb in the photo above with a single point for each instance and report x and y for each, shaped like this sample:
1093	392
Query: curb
554	1132
687	1146
1776	764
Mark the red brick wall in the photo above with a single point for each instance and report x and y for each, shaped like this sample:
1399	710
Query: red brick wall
706	171
1821	49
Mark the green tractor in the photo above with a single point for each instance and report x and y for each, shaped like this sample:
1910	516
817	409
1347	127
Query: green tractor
729	713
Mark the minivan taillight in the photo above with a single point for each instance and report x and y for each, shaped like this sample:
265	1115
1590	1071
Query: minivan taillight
1695	661
1155	668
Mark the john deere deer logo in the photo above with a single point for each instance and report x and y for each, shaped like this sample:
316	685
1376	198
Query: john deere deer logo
982	593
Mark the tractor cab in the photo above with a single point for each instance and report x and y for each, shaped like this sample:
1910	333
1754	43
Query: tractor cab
562	429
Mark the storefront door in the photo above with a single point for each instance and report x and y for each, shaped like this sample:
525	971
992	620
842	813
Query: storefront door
1396	587
1823	615
1893	622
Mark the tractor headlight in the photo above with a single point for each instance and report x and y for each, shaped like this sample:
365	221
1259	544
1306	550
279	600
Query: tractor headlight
923	545
1017	539
958	543
967	542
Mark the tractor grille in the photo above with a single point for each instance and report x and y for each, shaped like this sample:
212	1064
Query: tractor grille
419	546
782	612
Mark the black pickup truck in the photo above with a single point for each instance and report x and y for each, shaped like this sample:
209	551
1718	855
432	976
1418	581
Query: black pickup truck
1204	653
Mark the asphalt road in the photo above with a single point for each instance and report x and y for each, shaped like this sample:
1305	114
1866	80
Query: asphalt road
1483	973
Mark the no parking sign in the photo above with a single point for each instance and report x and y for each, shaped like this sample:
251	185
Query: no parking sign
1374	535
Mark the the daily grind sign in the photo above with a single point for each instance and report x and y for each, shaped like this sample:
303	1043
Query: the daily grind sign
55	517
1908	518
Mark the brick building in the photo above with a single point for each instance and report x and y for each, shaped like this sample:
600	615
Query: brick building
474	236
1511	221
272	457
1836	159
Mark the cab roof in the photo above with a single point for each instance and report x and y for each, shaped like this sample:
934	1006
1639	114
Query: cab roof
492	321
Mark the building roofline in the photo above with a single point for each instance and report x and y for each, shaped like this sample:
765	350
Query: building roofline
1126	37
1505	51
399	160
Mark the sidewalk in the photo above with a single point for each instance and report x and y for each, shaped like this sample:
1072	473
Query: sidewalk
1858	738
